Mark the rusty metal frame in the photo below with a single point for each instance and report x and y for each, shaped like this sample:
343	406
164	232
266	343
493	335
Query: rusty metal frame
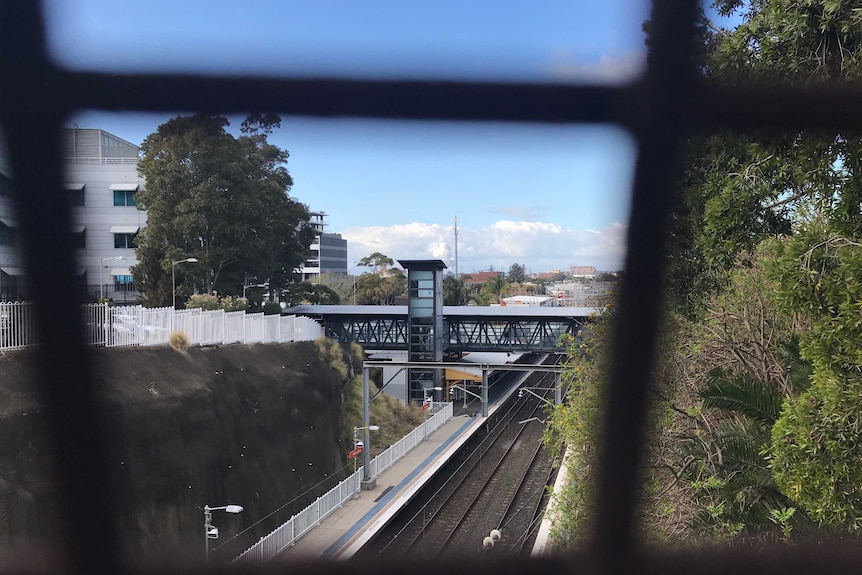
658	109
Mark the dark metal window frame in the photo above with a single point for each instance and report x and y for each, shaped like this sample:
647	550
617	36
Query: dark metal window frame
658	109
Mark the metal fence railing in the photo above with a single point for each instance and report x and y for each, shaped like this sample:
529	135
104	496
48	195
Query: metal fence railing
17	326
109	326
291	530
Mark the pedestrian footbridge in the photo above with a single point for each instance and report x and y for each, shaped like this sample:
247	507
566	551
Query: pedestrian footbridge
465	328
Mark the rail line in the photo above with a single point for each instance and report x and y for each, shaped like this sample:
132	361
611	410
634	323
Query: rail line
499	484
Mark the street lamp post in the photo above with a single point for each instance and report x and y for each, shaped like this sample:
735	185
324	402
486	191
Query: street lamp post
174	278
358	442
264	285
101	283
429	399
210	530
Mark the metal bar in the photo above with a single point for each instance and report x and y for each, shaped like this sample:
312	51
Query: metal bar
669	79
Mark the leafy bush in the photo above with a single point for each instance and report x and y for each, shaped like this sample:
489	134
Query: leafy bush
211	302
271	308
206	302
817	450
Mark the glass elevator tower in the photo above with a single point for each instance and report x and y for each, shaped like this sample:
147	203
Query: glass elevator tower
426	338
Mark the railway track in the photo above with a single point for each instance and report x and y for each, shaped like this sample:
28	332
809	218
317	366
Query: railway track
497	483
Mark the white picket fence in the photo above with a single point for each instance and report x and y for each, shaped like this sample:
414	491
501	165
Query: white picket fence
136	325
287	533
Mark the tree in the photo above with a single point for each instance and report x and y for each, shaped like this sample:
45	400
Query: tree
496	287
454	291
222	200
305	292
379	263
816	451
735	189
383	284
341	284
517	274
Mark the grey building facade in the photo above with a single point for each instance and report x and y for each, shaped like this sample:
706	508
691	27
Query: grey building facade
100	183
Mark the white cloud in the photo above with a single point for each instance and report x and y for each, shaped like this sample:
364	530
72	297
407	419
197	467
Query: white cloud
611	68
541	246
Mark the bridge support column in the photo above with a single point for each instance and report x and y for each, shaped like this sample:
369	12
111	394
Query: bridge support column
484	392
367	482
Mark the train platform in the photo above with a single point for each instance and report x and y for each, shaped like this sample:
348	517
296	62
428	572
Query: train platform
341	534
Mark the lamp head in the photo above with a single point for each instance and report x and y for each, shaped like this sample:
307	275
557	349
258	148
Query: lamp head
233	508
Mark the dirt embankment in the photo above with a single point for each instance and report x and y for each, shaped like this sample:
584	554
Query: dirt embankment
253	425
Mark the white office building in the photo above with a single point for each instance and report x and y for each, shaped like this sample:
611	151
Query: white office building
101	180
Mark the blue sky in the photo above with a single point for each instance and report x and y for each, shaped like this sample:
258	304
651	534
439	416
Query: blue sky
545	196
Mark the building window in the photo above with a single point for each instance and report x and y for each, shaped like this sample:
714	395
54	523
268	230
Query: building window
7	235
76	197
124	198
124	240
79	239
123	283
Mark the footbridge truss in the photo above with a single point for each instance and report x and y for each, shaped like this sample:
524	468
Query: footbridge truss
467	328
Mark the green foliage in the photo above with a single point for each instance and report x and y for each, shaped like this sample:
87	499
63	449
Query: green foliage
743	395
454	291
305	292
341	284
480	299
765	262
204	301
573	427
395	420
379	263
517	274
736	491
496	288
220	199
817	450
816	458
820	275
271	308
383	284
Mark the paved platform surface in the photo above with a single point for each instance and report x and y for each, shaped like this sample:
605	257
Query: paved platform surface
345	530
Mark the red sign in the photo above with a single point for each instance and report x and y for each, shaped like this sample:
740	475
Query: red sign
354	453
425	406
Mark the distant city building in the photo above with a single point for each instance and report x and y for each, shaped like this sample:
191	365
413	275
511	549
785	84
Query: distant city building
100	183
327	253
583	271
528	300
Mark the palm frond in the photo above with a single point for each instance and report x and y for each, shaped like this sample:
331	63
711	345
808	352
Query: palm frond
742	394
